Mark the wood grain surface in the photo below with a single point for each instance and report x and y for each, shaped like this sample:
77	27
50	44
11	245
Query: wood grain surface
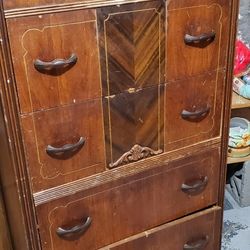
58	127
50	37
176	234
133	118
196	18
193	94
132	50
119	211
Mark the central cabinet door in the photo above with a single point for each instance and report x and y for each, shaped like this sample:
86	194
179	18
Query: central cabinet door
132	41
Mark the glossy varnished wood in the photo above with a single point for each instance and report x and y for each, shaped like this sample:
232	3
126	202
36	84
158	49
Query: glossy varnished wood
58	127
193	94
196	18
176	234
114	218
50	37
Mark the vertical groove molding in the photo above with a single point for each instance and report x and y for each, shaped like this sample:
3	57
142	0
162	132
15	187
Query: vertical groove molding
16	190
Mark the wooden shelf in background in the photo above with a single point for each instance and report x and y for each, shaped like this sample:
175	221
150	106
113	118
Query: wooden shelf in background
239	102
231	160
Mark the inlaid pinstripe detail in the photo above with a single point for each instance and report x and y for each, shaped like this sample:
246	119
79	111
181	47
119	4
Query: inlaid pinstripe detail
132	46
131	39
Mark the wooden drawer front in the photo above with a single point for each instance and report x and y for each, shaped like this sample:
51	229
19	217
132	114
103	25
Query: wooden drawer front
203	97
198	19
59	127
135	205
51	37
132	41
201	230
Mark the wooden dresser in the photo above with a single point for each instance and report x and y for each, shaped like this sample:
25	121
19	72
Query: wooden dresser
114	120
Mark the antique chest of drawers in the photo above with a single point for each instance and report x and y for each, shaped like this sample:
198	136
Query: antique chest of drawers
114	118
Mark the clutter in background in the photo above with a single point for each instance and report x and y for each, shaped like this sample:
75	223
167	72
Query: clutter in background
239	137
241	82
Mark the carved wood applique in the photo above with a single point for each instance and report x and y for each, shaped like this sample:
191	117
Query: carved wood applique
136	153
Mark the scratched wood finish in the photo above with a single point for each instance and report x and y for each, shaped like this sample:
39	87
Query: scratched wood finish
21	210
193	94
49	37
176	234
132	42
133	206
133	119
186	60
58	127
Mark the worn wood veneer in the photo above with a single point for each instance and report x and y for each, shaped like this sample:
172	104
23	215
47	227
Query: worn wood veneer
196	18
58	128
140	210
129	101
199	95
51	37
175	235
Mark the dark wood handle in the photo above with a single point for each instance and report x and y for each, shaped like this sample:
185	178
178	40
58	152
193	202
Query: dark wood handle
66	148
196	186
55	64
196	115
197	244
200	38
76	230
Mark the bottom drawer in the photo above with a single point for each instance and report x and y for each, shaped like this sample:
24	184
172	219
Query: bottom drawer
200	231
130	205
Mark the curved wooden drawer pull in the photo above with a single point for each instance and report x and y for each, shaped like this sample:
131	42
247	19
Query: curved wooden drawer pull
197	244
196	186
66	148
206	37
76	230
196	115
55	64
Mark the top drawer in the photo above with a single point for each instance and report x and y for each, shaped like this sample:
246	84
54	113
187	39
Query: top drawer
197	37
55	59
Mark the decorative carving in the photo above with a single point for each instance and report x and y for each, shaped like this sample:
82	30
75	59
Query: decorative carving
136	153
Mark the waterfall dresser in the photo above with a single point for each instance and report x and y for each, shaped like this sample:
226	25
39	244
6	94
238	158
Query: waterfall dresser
114	122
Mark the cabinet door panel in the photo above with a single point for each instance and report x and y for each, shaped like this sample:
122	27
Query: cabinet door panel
54	39
136	204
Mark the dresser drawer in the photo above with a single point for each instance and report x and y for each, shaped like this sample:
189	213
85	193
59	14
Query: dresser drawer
193	109
199	231
197	37
64	144
132	205
55	59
